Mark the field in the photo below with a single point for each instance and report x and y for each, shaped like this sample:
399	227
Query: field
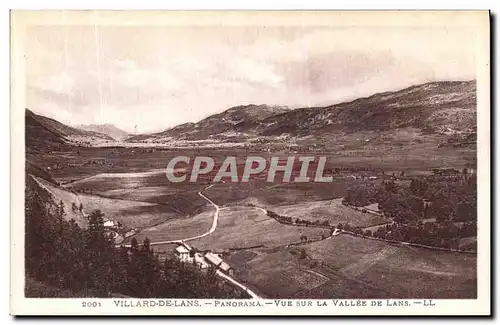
133	214
268	195
150	187
248	227
332	211
179	228
350	267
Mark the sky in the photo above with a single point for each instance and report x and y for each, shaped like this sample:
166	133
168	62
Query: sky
156	77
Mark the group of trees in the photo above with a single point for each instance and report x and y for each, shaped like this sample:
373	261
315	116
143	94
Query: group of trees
298	221
62	255
316	223
451	198
445	198
444	234
279	218
75	208
363	194
452	201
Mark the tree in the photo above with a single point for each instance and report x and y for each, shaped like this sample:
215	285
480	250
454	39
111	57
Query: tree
134	244
147	270
80	207
99	248
61	209
361	195
426	210
390	186
146	245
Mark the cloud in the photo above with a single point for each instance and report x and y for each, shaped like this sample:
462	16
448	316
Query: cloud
61	83
157	77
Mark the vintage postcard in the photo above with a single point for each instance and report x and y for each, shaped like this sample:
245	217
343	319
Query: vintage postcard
250	163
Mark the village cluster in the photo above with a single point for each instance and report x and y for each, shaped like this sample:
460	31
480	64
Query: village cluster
187	254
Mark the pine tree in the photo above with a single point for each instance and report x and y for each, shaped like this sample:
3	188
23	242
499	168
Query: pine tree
100	255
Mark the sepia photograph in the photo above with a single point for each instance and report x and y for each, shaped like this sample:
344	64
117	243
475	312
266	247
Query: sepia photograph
251	159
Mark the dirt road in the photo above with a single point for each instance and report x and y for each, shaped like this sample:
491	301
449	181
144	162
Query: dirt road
211	230
227	277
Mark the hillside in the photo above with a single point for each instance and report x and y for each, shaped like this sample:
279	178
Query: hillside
236	118
445	109
108	129
432	107
38	136
50	199
45	133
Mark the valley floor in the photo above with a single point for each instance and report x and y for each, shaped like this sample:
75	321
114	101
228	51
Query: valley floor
269	258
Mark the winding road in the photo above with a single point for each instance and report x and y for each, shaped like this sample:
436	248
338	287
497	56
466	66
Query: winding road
211	230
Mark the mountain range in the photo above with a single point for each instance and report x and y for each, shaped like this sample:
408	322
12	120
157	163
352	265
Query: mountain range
445	110
436	107
108	129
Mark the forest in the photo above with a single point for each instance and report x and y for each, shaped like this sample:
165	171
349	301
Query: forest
443	198
434	211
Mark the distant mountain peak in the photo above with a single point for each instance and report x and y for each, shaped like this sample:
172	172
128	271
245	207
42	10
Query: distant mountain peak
107	128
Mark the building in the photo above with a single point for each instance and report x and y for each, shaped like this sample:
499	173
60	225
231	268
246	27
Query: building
200	261
215	260
183	254
109	223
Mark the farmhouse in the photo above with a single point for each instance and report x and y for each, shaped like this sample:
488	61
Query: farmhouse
215	260
109	223
200	261
183	254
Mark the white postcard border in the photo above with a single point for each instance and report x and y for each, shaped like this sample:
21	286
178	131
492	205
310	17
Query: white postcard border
73	306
